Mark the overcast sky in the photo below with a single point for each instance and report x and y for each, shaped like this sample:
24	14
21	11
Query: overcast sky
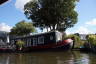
12	12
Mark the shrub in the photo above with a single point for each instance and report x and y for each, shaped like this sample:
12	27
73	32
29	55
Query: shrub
20	43
92	39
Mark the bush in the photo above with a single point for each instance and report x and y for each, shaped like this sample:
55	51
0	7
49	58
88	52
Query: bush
92	39
20	43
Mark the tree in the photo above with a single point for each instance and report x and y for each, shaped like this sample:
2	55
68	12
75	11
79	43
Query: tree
91	39
22	28
53	14
20	44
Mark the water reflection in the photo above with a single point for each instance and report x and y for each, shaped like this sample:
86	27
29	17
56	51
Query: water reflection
68	57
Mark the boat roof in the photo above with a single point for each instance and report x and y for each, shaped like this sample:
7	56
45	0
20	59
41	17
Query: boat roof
35	34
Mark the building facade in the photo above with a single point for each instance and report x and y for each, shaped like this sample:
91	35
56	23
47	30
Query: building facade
4	37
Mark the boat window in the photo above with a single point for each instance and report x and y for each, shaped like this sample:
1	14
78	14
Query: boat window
59	36
28	42
41	40
51	37
35	41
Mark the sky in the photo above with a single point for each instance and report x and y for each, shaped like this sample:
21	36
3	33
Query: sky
12	12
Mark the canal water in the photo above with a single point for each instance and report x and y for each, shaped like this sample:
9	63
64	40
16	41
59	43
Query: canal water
65	57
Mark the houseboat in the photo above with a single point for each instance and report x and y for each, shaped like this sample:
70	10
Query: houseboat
43	41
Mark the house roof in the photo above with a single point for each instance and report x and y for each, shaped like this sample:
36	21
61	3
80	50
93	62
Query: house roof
3	1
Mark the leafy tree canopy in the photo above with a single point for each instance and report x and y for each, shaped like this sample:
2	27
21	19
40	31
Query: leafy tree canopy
91	38
22	28
53	14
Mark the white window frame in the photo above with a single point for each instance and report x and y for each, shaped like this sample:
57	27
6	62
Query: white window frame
51	37
28	42
35	41
41	40
58	36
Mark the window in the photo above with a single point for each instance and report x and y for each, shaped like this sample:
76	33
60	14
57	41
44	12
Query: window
59	36
28	42
51	37
35	41
12	42
41	40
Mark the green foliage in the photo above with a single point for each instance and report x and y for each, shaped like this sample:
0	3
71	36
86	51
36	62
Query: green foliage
77	40
20	43
53	14
92	39
22	28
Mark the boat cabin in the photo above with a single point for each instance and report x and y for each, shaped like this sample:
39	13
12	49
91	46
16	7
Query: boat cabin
39	39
